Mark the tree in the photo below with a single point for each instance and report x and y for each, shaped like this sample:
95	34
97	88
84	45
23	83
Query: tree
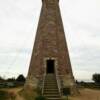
10	80
96	78
2	79
20	78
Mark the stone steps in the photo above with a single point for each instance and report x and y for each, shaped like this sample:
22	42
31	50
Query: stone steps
50	88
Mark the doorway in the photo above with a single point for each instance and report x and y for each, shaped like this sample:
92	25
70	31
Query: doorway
50	64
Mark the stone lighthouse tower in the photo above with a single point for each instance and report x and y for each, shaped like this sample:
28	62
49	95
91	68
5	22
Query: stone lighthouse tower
50	56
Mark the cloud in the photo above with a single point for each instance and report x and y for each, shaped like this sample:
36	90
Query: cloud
18	24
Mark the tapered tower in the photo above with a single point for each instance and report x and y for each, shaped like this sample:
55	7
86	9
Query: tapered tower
50	52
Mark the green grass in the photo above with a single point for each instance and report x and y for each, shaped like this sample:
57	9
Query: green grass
40	98
28	95
4	95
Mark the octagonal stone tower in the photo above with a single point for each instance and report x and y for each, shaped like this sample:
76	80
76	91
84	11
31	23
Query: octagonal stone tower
50	51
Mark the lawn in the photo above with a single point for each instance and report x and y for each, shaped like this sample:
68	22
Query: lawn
85	94
4	95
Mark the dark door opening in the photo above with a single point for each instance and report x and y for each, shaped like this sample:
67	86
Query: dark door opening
50	66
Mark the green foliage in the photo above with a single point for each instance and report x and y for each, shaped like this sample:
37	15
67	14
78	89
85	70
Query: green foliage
10	80
2	79
66	91
4	95
96	78
20	78
40	98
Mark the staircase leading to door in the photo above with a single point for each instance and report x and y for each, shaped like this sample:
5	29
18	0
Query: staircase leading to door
51	91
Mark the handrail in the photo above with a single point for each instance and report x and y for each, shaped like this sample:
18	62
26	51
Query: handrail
58	83
43	83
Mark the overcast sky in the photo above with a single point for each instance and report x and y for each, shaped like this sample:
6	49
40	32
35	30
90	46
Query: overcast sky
18	24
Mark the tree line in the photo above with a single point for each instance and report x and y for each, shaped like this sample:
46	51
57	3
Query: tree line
20	78
12	82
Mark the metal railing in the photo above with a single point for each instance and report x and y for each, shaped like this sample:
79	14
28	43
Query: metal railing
58	84
43	83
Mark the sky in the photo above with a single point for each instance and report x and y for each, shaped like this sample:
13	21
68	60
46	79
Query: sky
18	25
